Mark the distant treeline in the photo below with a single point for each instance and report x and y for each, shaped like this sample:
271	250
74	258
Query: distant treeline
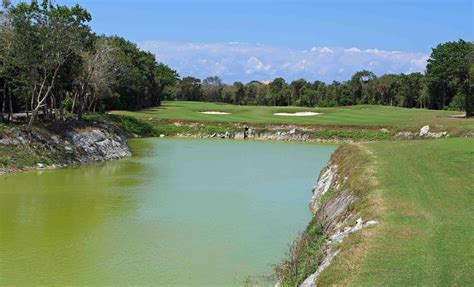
52	64
447	84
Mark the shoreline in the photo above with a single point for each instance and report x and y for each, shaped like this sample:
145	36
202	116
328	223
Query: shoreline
106	138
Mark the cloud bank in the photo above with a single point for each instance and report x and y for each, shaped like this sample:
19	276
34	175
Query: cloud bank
245	62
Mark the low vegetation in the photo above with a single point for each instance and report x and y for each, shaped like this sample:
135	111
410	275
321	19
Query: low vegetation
303	256
369	135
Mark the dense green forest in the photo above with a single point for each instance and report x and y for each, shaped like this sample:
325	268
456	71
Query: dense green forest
52	64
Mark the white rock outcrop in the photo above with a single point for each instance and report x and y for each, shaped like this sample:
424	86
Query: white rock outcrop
311	280
97	145
338	237
324	183
424	131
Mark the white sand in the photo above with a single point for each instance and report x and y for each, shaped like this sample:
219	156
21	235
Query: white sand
214	113
298	114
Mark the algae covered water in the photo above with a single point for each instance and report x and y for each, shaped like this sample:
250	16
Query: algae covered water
179	212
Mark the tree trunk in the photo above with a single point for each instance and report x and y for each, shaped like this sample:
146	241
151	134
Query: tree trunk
45	112
27	108
81	99
53	108
444	97
79	111
61	108
32	100
10	106
32	119
73	102
4	98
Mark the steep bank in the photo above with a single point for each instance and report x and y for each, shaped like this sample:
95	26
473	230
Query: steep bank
63	143
342	203
389	213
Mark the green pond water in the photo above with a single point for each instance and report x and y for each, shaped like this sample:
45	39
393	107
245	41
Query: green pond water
179	212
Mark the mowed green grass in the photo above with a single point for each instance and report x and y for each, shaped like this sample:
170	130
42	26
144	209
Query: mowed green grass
354	115
427	233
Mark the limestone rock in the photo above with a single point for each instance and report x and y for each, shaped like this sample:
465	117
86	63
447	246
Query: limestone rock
324	183
424	131
404	136
330	252
311	280
99	145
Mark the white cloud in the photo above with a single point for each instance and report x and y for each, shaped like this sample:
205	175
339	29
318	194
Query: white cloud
255	65
235	61
419	63
322	50
352	50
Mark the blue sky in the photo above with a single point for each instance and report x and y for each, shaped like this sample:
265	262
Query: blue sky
261	39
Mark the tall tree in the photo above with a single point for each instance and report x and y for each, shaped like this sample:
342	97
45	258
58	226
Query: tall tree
99	74
469	102
359	84
239	91
447	73
165	77
189	89
296	88
212	89
278	92
6	52
46	37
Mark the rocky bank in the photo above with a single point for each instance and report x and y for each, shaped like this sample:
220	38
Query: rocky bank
335	216
61	145
322	134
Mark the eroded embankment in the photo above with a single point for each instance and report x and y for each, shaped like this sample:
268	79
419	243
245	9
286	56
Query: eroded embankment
342	204
61	144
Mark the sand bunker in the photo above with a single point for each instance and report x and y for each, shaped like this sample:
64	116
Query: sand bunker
298	114
214	113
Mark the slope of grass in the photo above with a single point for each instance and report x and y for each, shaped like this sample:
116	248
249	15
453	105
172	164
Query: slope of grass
426	233
355	115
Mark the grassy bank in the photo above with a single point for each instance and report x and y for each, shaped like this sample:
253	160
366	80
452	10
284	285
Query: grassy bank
362	115
423	197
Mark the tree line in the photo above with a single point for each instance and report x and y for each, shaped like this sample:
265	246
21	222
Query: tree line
52	64
447	84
